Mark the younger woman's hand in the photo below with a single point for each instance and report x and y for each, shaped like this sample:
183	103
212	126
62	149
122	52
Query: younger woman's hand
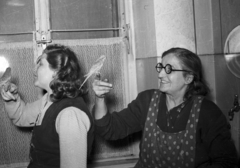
9	92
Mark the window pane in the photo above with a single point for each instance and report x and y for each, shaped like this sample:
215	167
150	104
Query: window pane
16	16
83	14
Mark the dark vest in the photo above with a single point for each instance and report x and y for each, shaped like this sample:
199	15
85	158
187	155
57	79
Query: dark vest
45	149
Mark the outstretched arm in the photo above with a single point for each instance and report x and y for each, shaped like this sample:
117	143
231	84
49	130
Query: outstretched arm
21	113
118	125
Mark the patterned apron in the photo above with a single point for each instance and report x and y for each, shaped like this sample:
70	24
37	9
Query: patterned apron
168	150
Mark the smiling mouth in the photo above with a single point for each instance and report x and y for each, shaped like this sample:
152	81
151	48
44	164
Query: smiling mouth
163	81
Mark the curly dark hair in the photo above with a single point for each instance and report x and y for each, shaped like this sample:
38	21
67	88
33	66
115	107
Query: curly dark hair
192	63
67	81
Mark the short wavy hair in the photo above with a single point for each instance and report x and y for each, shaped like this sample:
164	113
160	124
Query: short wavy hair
190	62
68	79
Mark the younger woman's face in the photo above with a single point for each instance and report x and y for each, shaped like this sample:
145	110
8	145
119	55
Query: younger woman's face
44	74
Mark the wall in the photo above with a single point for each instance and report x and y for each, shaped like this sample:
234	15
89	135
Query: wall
227	85
214	21
145	39
201	26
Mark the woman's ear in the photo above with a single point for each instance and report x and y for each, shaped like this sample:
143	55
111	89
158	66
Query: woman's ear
189	78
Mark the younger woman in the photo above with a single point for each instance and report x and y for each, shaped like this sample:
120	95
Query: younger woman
62	125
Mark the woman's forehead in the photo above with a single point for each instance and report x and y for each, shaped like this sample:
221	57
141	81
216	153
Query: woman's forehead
171	59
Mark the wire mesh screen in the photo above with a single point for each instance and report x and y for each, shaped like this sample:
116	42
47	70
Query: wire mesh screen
114	69
14	141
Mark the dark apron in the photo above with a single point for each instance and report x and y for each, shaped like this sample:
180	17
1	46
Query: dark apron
168	150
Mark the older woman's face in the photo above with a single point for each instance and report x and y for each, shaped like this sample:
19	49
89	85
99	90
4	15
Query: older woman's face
174	83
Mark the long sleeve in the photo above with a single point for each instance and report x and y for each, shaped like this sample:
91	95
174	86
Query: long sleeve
215	147
72	126
23	114
118	125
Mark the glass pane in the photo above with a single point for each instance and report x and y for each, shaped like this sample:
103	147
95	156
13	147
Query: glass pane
16	16
84	14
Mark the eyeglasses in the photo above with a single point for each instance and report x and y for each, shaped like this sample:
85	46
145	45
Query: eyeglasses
168	68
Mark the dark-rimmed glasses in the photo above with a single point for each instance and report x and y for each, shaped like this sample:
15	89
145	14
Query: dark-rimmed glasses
168	68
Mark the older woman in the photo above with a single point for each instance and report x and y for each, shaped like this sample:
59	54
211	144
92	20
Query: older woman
180	127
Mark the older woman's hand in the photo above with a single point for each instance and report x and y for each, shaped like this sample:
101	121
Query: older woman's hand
9	92
101	88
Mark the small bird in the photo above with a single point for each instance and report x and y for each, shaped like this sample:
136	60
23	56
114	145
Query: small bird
95	69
